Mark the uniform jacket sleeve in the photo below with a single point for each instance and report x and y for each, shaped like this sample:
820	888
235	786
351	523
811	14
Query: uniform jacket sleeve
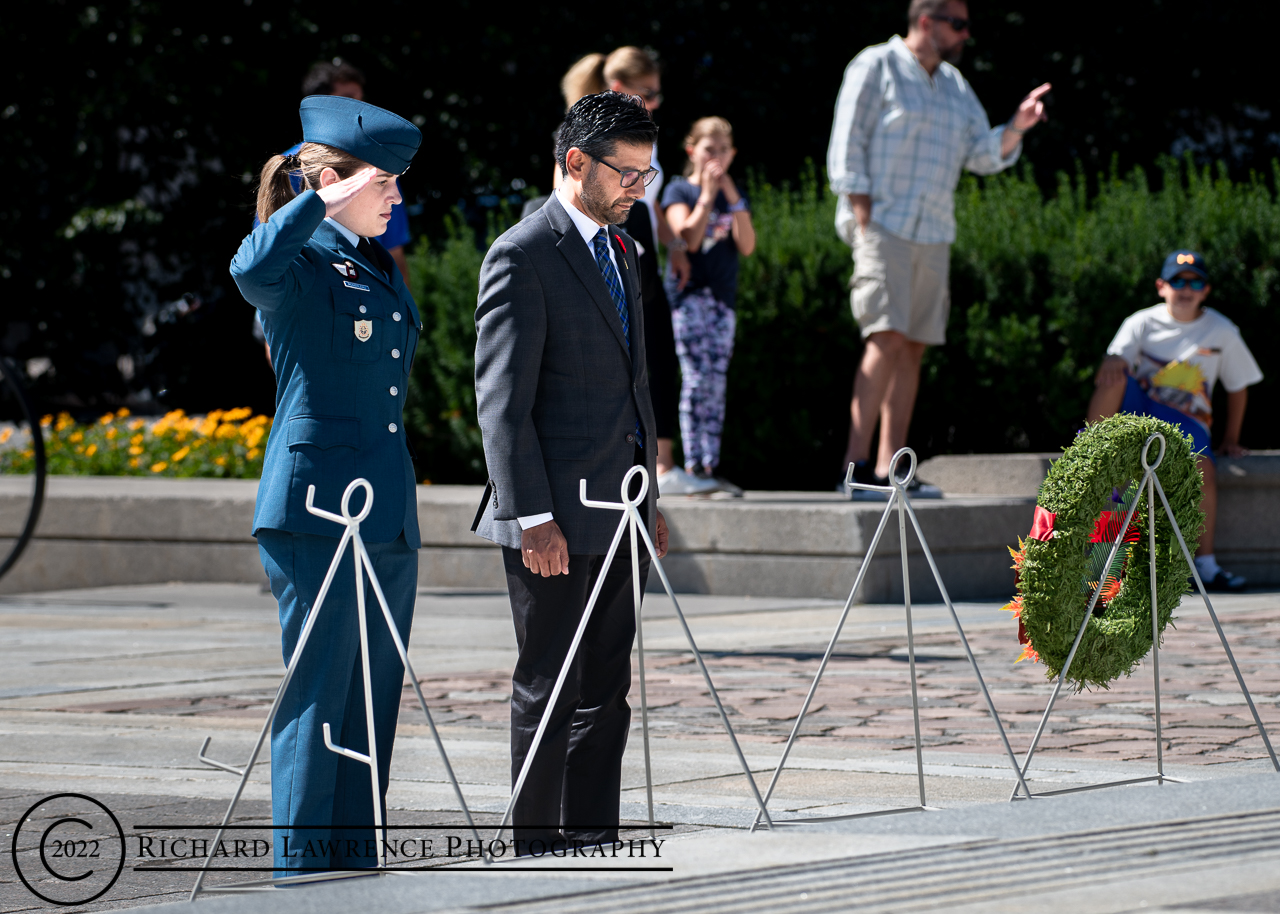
269	268
511	328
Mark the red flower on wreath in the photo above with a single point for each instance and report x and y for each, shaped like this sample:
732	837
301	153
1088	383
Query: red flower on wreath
1107	527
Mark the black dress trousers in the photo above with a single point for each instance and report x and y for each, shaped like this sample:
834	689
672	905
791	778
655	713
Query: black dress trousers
574	784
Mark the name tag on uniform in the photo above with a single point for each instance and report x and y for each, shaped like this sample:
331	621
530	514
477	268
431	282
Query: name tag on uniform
355	285
364	330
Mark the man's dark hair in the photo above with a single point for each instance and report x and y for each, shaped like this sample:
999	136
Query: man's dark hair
596	124
321	77
920	8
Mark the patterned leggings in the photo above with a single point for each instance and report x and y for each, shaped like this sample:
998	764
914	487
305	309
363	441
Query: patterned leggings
703	328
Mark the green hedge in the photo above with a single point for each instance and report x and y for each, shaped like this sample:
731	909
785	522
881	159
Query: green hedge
1040	284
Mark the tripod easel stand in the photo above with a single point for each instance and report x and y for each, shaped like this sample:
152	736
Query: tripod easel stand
1149	487
632	523
351	532
896	490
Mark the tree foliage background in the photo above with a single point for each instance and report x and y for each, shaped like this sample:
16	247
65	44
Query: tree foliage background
133	132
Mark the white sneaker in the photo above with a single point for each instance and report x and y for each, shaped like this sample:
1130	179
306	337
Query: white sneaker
678	481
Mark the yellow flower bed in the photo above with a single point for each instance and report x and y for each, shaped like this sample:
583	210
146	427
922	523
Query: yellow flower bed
226	443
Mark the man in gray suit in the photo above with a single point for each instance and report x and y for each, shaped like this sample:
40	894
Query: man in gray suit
563	395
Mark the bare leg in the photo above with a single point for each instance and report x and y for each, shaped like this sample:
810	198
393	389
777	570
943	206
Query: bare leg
1105	401
899	403
666	463
870	387
1209	504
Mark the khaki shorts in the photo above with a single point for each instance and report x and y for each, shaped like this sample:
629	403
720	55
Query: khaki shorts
900	285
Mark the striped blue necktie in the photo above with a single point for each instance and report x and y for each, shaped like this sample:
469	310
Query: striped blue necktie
600	247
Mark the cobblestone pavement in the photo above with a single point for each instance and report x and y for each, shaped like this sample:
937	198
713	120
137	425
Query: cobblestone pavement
110	693
865	696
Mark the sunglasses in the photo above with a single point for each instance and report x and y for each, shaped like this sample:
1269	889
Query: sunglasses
958	24
1196	285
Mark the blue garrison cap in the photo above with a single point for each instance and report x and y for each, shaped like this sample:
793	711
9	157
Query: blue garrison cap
371	134
1184	261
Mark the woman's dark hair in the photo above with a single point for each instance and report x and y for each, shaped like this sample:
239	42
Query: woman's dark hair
321	77
596	124
274	187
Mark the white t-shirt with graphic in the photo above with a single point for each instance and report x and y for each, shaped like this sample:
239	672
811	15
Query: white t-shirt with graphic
1177	363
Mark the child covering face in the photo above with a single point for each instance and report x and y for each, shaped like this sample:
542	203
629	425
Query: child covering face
708	210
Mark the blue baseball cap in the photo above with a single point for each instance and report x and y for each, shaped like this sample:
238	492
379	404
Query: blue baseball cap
372	134
1182	262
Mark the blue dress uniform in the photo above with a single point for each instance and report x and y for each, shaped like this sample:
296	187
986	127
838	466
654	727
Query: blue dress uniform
342	328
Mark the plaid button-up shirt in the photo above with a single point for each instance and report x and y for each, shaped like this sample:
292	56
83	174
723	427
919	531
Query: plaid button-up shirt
902	137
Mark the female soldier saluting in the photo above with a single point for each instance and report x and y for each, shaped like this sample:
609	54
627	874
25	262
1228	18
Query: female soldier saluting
342	329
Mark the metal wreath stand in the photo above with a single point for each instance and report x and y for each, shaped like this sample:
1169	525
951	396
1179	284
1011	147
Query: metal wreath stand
362	565
631	522
1150	487
898	498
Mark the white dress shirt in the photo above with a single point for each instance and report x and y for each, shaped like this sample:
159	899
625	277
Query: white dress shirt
588	228
903	136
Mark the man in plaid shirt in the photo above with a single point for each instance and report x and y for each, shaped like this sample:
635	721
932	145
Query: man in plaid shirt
906	122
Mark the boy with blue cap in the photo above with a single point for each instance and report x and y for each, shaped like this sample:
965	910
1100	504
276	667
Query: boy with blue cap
342	329
1164	362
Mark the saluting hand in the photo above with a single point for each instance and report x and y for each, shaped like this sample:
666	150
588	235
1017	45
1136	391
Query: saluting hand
339	193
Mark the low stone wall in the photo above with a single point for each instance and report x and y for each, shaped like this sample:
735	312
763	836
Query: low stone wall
97	531
1248	535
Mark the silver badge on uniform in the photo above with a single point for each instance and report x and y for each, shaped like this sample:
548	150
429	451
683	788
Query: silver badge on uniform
347	269
364	330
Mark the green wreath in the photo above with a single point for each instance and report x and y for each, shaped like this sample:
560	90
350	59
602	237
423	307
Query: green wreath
1081	505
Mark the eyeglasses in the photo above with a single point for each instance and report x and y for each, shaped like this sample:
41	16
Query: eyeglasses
647	94
958	24
629	175
1196	285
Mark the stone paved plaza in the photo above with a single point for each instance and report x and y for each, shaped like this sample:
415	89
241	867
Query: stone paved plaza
110	693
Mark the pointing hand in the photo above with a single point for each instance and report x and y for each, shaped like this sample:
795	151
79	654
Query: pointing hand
1031	111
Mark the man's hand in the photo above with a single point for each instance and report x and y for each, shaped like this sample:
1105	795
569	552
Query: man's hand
681	268
338	194
661	539
544	550
1233	449
1031	111
1113	371
861	209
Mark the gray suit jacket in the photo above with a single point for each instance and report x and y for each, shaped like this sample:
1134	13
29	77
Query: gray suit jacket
557	391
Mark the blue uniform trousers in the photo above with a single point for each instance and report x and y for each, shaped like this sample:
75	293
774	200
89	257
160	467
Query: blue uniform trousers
310	785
